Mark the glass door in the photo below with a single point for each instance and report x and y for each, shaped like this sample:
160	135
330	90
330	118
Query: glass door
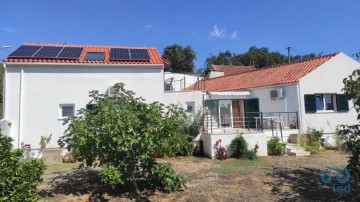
225	113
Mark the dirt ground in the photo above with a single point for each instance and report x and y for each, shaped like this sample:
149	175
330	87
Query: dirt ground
283	178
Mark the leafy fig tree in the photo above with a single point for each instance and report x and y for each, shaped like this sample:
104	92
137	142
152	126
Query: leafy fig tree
122	134
352	132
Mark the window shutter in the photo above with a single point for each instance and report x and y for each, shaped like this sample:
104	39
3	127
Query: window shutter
310	104
342	103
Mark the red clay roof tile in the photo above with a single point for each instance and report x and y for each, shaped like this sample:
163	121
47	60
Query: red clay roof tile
268	76
155	58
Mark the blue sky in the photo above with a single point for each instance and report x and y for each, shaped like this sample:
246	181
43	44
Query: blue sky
207	26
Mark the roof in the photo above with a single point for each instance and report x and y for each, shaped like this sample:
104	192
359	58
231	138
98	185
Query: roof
155	58
267	76
233	69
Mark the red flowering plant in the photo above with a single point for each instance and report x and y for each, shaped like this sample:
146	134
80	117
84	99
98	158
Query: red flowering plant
220	150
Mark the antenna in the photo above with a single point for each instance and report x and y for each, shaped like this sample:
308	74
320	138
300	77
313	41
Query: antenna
288	49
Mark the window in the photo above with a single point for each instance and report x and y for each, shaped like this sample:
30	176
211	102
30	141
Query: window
326	102
319	102
190	107
89	106
95	56
67	110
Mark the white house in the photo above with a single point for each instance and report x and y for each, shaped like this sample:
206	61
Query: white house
294	96
44	83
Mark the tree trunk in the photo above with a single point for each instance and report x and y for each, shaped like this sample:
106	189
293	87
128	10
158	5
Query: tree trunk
132	176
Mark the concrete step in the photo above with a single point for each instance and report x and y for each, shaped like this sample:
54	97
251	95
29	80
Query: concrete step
296	150
305	153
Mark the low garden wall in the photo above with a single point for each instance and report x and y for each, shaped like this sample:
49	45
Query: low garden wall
209	142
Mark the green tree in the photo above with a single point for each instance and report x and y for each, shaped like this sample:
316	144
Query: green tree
123	133
181	58
19	177
258	57
352	132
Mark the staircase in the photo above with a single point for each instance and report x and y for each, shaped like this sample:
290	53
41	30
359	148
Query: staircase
295	150
211	123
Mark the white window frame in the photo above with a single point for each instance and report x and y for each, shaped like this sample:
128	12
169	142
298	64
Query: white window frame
324	102
61	110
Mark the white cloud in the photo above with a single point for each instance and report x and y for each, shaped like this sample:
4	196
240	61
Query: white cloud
148	26
218	32
10	30
233	35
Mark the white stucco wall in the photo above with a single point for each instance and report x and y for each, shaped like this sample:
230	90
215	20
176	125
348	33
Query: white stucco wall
181	81
209	143
214	74
46	87
327	78
288	103
182	97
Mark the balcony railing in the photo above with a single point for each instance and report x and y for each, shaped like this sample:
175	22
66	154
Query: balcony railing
250	121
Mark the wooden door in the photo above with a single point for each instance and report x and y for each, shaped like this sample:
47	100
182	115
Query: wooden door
237	108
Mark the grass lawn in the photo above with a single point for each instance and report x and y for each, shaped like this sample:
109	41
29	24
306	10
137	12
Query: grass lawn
280	178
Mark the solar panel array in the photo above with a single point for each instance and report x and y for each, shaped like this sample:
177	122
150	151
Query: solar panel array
129	54
25	51
28	51
57	52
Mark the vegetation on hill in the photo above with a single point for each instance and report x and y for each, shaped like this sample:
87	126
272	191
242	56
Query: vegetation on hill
257	57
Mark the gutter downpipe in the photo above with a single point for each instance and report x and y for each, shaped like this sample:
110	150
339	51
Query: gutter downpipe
20	107
300	107
4	91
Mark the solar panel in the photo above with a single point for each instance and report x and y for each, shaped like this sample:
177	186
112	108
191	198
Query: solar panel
25	51
139	54
48	52
119	54
70	53
95	56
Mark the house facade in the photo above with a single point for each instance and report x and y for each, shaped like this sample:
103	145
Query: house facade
45	83
286	99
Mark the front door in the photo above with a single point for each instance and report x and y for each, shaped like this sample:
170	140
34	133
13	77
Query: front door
238	113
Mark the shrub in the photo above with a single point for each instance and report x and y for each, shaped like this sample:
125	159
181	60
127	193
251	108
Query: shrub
251	155
174	146
342	141
195	124
18	177
163	175
123	133
274	146
238	147
220	150
312	141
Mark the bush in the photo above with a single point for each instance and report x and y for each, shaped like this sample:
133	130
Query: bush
251	155
174	146
342	141
239	147
163	175
274	146
123	133
18	177
312	141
